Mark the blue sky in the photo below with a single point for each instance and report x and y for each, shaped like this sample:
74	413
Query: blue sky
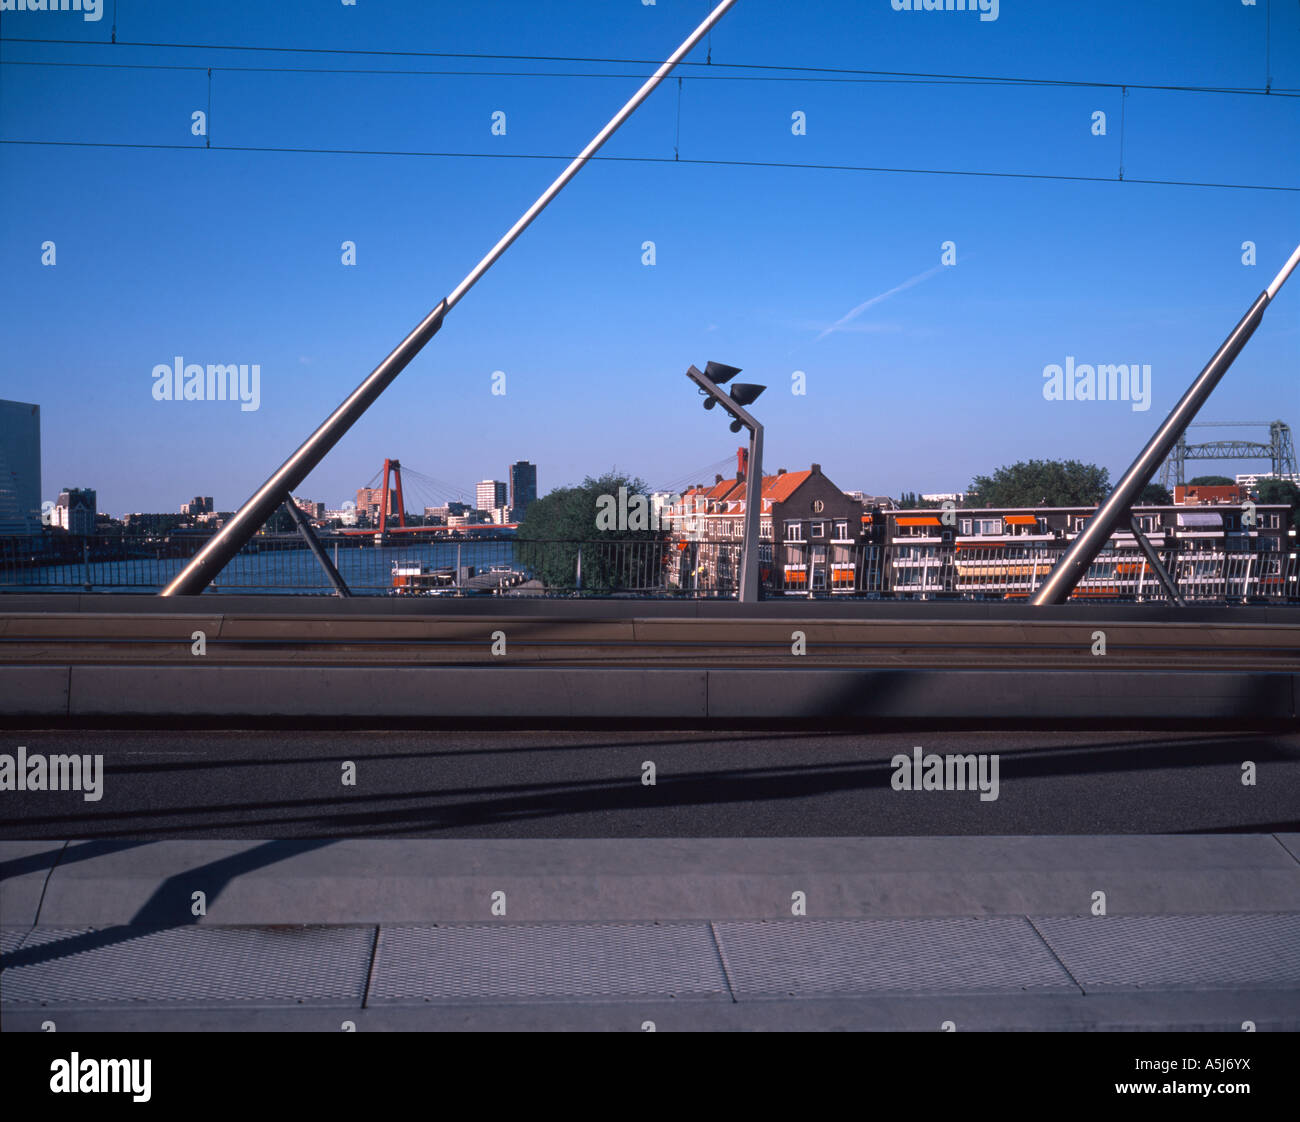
225	256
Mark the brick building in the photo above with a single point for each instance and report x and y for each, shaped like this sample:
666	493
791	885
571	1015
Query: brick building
808	530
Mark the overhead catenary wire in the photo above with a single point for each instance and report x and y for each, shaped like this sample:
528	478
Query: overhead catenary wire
798	73
781	164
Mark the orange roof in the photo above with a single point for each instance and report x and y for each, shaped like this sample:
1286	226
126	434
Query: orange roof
778	488
720	490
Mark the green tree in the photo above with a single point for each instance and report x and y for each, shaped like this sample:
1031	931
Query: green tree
911	500
280	522
628	555
1041	483
1280	491
1155	495
1210	481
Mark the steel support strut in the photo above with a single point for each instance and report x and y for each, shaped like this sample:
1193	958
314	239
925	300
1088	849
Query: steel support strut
1153	559
232	537
317	550
1068	571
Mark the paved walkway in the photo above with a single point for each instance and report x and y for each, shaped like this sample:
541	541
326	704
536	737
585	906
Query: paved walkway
892	933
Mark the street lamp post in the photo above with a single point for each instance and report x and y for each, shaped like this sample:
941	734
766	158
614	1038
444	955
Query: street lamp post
742	394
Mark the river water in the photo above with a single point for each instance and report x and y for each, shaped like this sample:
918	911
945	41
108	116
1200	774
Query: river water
367	570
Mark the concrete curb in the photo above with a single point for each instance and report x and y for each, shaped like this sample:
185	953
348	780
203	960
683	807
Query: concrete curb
619	608
72	691
1205	1011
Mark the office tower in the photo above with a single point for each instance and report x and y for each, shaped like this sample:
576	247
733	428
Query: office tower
20	467
490	494
523	488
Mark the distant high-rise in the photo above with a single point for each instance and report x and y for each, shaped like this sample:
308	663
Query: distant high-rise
370	499
523	488
75	510
441	514
20	467
490	494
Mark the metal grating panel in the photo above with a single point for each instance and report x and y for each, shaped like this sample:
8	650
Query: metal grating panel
193	965
1204	952
808	957
11	938
546	962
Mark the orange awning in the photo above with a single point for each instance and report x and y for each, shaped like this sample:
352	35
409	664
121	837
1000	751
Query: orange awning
928	521
1021	520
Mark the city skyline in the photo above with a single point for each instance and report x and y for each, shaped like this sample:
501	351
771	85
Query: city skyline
474	490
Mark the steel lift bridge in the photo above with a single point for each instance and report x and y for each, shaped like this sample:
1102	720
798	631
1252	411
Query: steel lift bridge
1279	451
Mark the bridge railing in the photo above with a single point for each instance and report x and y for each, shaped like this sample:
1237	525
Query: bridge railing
469	566
1015	572
636	567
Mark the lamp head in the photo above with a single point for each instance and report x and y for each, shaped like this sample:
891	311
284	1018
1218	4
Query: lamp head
720	372
744	393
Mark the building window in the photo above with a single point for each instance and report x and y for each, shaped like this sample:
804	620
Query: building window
841	531
818	529
989	526
794	531
966	524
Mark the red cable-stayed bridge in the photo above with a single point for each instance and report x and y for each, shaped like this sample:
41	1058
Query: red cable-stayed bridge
429	487
443	492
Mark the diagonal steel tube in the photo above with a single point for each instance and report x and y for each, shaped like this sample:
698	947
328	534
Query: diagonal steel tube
1066	573
232	537
317	551
1157	566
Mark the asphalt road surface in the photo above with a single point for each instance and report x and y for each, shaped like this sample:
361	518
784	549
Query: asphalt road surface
231	783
